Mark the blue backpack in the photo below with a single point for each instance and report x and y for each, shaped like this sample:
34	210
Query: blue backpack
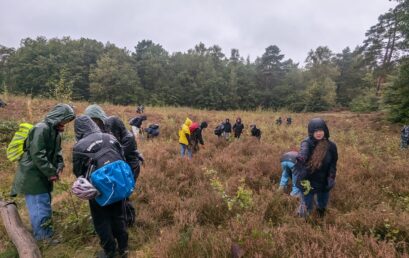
115	182
113	177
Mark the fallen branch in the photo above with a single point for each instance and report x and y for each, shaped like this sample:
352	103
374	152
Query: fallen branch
21	238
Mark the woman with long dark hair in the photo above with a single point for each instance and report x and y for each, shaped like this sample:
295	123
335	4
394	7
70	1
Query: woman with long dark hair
316	167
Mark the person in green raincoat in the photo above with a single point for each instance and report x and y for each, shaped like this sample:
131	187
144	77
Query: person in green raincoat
40	166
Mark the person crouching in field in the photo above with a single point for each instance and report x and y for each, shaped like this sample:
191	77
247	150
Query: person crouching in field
288	161
109	221
197	137
255	132
316	167
39	167
184	139
136	124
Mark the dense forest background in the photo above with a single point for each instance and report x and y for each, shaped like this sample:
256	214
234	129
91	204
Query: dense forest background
372	76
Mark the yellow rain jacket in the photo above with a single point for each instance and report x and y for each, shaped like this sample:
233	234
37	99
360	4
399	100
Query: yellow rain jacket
185	130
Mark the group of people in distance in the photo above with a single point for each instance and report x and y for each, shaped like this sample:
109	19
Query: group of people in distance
225	129
279	120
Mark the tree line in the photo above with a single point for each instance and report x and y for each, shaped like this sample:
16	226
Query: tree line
372	76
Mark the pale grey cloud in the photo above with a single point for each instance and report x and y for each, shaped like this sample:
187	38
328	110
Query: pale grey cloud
295	26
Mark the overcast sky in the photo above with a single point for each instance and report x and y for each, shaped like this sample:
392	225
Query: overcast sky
295	26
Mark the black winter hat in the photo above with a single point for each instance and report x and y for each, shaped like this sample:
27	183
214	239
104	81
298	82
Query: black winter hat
203	124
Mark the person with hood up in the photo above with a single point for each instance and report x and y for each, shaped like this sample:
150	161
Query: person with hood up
316	167
109	221
184	139
197	136
127	140
136	124
255	132
238	128
227	129
39	167
288	161
279	121
97	115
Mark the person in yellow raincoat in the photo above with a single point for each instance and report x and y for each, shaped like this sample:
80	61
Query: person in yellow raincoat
184	139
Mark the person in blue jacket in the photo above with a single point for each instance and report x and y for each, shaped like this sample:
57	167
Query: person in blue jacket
316	167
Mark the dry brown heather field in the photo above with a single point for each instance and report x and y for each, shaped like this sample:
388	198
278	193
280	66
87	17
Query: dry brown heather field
226	195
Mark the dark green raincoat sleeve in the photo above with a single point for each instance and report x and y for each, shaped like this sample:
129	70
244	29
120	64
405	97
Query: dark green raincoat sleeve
60	159
38	152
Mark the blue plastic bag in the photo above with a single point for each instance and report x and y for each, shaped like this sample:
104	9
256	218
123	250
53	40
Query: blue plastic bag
114	181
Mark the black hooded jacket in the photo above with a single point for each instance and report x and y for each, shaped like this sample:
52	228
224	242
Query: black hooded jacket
238	127
127	140
137	121
90	141
322	179
197	134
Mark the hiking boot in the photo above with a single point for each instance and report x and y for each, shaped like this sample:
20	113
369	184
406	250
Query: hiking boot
321	212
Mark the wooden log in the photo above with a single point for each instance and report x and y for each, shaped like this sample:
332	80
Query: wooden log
25	244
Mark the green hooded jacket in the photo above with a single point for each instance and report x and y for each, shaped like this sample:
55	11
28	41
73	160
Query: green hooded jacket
43	155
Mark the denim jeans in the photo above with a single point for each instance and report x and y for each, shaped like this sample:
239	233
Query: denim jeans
308	202
286	167
185	148
39	209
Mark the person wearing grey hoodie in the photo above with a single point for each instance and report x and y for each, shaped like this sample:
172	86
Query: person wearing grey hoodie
97	115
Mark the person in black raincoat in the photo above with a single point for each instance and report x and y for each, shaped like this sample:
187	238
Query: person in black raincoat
197	137
238	128
255	132
127	140
136	124
316	167
109	221
227	129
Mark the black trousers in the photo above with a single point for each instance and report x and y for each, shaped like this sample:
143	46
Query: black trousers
109	223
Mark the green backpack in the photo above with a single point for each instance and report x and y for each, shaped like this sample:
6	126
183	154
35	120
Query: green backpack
15	149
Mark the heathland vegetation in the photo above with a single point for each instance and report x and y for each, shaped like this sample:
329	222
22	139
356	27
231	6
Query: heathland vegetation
226	194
